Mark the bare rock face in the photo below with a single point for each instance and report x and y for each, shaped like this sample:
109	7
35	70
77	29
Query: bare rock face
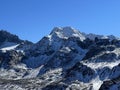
6	36
10	58
80	72
66	59
113	84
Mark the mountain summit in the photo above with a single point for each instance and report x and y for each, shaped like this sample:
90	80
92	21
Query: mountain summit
66	59
66	32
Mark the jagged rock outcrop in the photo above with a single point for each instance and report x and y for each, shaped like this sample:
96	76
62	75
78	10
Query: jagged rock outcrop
10	58
113	84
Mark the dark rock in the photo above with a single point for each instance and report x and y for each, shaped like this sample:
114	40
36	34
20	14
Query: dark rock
6	36
108	57
115	72
115	42
10	58
103	42
109	83
80	72
110	48
103	72
85	44
94	51
56	87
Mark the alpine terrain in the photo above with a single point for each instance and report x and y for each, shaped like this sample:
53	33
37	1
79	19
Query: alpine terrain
66	59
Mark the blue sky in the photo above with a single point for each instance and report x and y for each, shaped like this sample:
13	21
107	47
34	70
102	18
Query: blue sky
33	19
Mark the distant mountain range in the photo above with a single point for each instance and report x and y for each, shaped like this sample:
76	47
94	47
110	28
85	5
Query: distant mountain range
66	59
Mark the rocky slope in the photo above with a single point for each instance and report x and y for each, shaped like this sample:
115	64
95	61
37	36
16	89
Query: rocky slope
66	59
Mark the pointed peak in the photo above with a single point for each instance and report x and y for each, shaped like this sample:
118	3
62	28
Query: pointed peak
63	29
68	28
66	32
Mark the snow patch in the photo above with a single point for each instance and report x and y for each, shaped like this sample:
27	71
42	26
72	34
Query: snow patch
8	46
102	64
96	83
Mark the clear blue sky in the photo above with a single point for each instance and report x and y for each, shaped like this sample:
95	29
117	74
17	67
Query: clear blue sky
33	19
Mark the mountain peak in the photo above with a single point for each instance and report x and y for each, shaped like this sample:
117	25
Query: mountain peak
66	32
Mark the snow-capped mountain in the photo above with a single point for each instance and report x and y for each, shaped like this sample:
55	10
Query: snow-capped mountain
66	59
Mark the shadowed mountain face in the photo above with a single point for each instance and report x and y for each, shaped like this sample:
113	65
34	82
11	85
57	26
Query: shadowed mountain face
8	37
66	59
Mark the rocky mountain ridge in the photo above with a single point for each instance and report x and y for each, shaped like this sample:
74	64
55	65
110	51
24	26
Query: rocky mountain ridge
66	59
